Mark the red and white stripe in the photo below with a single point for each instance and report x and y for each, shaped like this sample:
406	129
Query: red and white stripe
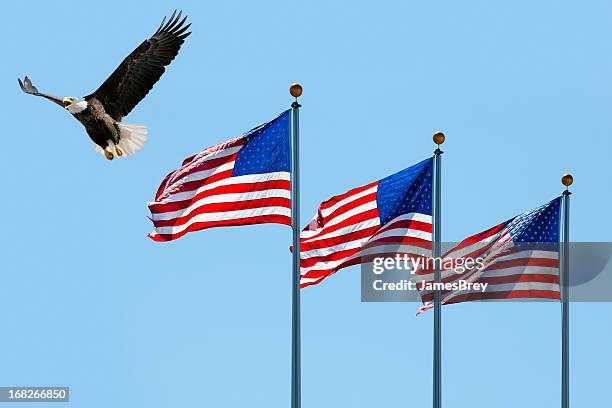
346	231
203	194
510	273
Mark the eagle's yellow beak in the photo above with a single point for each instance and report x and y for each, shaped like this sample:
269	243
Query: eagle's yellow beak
67	102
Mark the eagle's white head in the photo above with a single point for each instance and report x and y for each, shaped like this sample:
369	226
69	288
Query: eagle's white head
74	105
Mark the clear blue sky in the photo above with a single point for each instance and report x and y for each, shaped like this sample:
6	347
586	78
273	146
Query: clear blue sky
522	90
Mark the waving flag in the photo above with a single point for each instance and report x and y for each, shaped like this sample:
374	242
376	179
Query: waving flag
240	182
349	228
519	259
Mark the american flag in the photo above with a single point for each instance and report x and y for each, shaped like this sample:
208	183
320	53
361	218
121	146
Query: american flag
520	259
364	222
243	181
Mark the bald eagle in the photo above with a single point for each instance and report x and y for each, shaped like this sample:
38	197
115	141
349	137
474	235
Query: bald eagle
102	111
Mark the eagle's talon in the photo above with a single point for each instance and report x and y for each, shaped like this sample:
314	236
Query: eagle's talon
119	151
108	155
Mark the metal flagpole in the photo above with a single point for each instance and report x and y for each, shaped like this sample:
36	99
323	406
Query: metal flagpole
438	138
567	181
296	91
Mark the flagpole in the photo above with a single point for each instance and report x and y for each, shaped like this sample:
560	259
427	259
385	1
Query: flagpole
567	181
296	401
438	138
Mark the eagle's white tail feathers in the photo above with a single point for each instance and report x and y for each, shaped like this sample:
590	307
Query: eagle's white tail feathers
131	139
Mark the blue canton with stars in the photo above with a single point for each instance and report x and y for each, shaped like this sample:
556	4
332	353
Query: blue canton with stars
540	225
405	192
267	148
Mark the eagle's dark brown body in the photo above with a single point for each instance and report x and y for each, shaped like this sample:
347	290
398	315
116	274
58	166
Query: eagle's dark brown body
123	90
99	125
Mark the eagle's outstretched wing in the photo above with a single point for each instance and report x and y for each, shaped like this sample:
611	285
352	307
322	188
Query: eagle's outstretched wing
27	87
140	70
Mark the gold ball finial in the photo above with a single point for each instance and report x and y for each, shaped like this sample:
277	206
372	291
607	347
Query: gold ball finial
296	90
567	179
439	138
